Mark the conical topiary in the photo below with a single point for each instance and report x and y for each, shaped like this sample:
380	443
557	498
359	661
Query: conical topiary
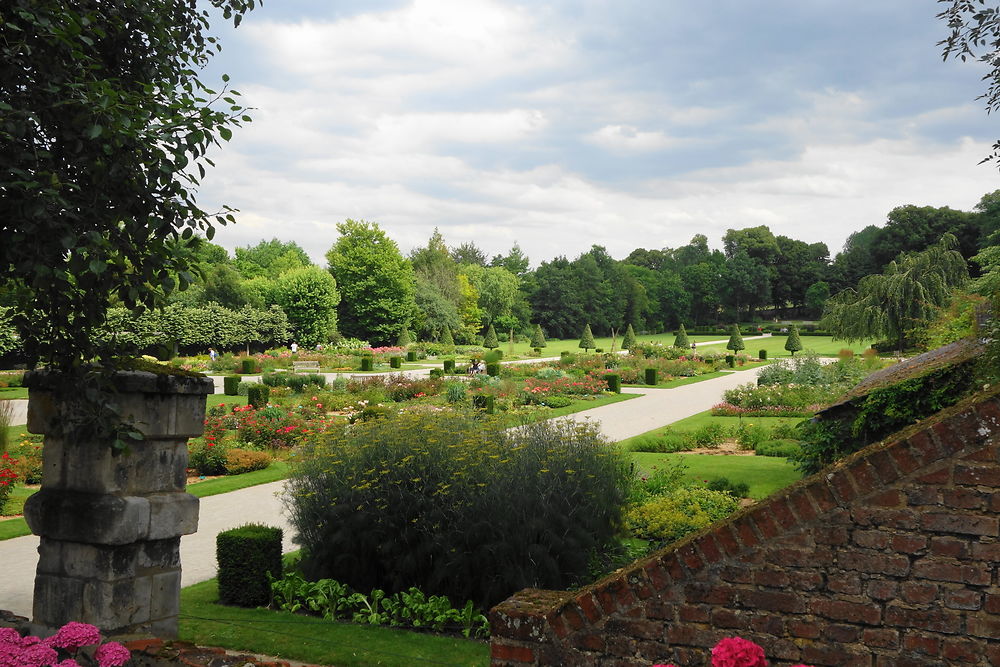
404	338
793	343
587	339
446	338
537	337
735	340
490	341
628	342
681	340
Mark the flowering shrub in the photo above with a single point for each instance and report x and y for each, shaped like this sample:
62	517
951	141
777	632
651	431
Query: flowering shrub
7	478
590	384
737	652
671	516
66	648
26	458
730	410
268	428
786	395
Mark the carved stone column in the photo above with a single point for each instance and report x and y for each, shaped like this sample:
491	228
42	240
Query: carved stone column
110	524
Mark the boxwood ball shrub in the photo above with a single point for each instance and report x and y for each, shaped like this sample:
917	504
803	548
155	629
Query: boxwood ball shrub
231	385
246	555
456	503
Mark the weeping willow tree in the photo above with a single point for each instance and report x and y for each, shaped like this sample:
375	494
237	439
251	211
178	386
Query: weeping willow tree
906	296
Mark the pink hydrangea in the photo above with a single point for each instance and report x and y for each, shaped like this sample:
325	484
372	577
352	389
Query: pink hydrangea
10	636
112	654
68	662
75	635
738	652
37	655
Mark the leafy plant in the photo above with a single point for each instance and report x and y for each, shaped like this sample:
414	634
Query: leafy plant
669	517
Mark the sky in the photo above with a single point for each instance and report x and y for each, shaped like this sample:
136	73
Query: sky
558	125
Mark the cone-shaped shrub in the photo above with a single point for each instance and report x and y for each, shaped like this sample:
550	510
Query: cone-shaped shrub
587	339
628	342
735	340
490	341
681	340
447	339
537	337
793	344
404	338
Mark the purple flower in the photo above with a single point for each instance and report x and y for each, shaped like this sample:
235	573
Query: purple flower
75	635
112	654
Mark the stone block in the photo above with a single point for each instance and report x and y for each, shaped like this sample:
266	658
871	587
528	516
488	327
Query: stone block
87	517
117	607
87	561
160	555
172	515
57	600
165	596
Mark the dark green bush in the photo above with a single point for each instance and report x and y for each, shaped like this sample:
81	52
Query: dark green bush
785	449
411	355
248	366
258	394
436	373
207	459
493	370
231	384
484	402
297	382
599	350
614	382
397	362
367	364
650	375
246	555
437	499
449	366
736	489
731	361
762	355
493	356
556	401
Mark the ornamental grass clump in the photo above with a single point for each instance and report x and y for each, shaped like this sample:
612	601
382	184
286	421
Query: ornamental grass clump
456	504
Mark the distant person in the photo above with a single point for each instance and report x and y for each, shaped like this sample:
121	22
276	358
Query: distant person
212	354
694	345
294	347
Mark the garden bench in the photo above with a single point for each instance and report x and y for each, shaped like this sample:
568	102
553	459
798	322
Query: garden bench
305	366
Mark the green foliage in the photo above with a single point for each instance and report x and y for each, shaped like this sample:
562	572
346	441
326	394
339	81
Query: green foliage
711	435
681	339
411	608
395	362
614	382
411	355
230	384
449	366
629	340
735	340
435	499
556	401
206	457
241	461
650	376
900	300
248	557
367	364
270	258
249	366
793	343
493	370
587	339
956	321
404	338
493	356
103	140
537	337
671	516
297	382
762	354
309	298
490	340
455	391
785	449
8	332
376	283
447	339
725	485
257	395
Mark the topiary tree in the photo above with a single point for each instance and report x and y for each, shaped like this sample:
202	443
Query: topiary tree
628	342
537	337
404	338
793	344
587	339
490	340
735	340
681	340
446	338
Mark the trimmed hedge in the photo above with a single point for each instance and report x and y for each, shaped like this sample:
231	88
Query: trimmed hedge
246	555
397	362
614	382
651	376
231	385
486	403
367	363
762	355
449	366
493	369
411	355
258	394
249	366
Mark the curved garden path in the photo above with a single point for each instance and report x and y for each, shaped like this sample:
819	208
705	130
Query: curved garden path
262	504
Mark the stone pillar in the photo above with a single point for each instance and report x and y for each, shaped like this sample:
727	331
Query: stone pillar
110	524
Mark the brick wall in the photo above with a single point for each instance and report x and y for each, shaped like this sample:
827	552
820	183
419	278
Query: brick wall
887	558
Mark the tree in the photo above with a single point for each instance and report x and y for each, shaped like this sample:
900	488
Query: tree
309	298
514	261
104	128
904	297
404	338
793	343
468	253
735	340
628	341
490	340
376	283
681	340
537	338
447	339
270	258
816	297
497	288
587	339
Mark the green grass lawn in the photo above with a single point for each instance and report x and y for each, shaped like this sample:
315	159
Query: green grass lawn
216	399
314	640
824	346
554	347
764	474
13	392
702	418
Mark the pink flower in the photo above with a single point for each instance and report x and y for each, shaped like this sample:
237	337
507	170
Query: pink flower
68	662
38	655
112	654
737	652
75	635
10	636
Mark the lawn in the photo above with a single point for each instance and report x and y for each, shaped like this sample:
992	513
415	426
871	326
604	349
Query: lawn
824	346
554	347
314	640
13	392
695	422
764	474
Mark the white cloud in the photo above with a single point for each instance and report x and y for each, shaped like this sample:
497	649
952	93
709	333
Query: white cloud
628	139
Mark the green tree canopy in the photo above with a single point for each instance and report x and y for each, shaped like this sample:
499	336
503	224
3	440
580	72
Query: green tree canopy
309	298
904	297
270	258
376	283
104	128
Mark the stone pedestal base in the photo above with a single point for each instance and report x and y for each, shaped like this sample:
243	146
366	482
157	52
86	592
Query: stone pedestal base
110	525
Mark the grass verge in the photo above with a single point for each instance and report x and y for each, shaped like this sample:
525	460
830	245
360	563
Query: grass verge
764	474
314	640
13	392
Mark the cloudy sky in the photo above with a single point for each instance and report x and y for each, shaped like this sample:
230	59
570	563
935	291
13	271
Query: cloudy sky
566	123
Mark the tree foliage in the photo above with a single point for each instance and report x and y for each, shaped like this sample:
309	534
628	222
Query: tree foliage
490	341
628	340
309	298
735	339
905	296
681	339
587	339
537	337
104	128
793	343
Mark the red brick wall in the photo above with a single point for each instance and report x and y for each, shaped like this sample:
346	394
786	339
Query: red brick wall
887	558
